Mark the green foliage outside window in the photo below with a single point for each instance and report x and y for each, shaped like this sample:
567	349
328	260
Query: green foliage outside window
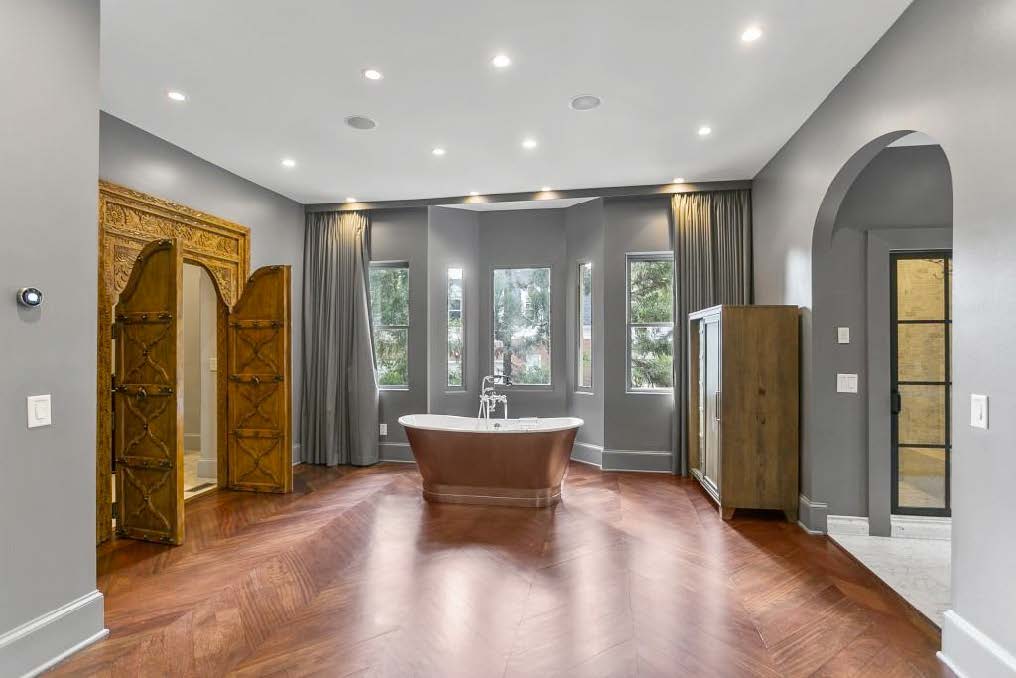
650	322
522	325
389	308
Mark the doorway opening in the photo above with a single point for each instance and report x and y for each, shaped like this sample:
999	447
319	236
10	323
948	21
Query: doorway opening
200	365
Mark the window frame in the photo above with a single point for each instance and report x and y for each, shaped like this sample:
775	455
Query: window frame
550	325
397	263
449	388
629	257
580	387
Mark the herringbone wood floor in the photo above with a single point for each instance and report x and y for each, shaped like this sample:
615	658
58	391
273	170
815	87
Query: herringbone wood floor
353	574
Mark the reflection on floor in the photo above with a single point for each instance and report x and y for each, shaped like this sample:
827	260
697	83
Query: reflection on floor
922	477
193	484
631	575
917	569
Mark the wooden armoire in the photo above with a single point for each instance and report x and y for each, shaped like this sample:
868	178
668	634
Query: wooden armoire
743	404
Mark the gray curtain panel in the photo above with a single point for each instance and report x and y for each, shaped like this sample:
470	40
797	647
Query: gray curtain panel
712	265
340	392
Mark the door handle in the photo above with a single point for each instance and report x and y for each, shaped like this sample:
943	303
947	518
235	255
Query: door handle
896	402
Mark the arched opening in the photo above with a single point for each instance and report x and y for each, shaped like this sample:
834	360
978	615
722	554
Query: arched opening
879	437
201	305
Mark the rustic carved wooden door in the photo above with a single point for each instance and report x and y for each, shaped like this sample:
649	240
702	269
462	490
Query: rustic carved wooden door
147	400
259	389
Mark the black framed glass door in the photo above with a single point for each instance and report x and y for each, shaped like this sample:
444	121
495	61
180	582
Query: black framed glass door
921	328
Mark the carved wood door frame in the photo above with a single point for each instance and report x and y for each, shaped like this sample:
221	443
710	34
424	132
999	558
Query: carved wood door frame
129	220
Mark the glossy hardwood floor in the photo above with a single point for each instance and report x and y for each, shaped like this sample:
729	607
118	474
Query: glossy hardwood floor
631	575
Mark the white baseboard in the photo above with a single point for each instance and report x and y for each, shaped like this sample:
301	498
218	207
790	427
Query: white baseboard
400	452
921	527
587	453
970	653
645	461
855	525
208	468
37	645
812	515
297	454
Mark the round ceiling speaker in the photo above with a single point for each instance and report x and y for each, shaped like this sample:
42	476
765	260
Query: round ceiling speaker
585	102
360	122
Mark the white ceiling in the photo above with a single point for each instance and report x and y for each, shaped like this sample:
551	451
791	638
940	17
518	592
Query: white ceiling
268	79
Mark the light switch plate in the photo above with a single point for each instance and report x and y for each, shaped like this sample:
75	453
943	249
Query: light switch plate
843	335
846	383
978	411
213	364
384	429
40	411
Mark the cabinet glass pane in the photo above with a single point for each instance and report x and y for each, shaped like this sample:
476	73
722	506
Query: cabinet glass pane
922	419
920	352
921	477
920	289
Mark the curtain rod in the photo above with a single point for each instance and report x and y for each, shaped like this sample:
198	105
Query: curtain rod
661	190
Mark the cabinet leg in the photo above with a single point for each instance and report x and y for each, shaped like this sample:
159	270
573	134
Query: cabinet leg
727	512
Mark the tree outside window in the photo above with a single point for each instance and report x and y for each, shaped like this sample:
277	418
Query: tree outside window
650	322
389	309
521	349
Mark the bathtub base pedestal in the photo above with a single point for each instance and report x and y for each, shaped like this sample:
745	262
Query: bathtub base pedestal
491	496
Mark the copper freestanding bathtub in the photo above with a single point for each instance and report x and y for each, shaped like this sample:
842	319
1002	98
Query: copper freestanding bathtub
501	462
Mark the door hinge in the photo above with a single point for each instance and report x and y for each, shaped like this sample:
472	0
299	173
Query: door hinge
896	402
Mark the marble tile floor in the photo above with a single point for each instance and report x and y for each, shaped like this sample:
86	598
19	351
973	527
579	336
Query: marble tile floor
919	570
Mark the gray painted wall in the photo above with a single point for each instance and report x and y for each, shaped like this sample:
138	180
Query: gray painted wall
945	68
49	67
585	232
401	235
633	422
527	239
139	160
454	241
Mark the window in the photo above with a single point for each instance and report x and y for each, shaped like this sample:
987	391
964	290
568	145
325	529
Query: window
584	374
650	322
389	310
521	342
456	338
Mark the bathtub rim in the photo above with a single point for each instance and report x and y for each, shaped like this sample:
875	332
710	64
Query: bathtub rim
571	423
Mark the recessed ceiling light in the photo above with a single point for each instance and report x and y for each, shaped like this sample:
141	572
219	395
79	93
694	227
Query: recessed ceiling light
545	189
360	122
372	74
751	34
438	151
678	180
529	143
705	130
288	162
474	193
350	199
585	102
176	96
501	61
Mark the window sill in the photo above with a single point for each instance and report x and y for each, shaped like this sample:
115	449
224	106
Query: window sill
396	389
655	391
585	393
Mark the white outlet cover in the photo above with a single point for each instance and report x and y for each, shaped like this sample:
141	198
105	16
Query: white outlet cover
979	411
40	410
843	335
846	383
